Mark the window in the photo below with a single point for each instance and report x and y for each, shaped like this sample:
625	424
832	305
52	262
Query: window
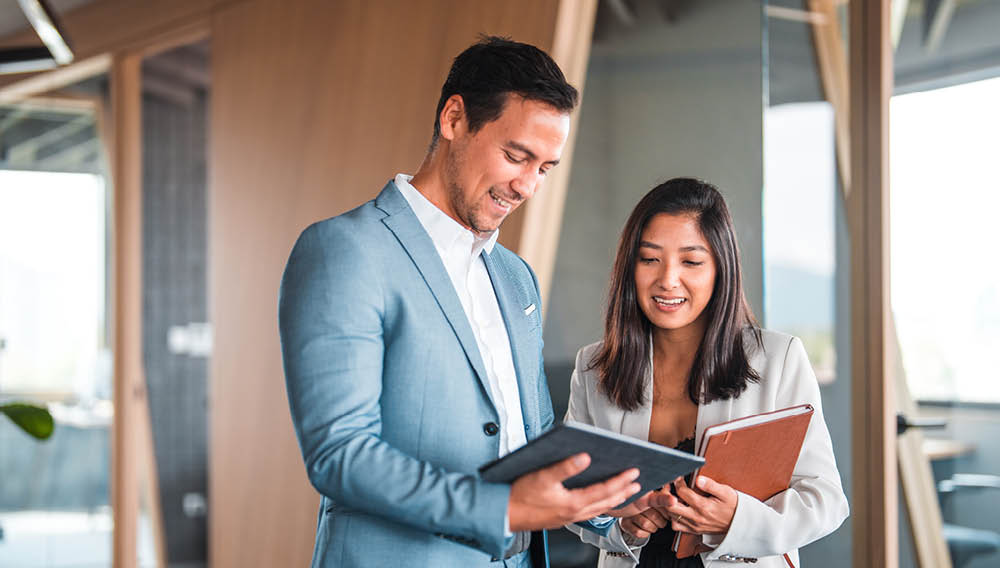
799	250
52	285
945	198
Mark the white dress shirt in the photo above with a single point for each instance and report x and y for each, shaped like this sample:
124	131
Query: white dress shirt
460	249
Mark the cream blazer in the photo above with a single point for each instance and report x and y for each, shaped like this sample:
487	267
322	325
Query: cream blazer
812	507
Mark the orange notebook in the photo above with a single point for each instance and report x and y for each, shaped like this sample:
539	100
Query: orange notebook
755	455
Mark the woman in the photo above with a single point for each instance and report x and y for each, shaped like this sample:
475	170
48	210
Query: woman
682	352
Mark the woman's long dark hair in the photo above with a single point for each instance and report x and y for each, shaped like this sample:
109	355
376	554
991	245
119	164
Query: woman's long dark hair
721	369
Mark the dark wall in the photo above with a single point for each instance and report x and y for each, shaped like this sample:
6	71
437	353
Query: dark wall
174	294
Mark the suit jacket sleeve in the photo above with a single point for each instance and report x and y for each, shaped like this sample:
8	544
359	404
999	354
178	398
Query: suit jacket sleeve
814	505
330	316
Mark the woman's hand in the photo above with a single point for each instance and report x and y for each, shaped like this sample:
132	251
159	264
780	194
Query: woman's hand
645	523
694	513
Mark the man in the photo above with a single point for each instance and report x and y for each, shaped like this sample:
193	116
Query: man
412	341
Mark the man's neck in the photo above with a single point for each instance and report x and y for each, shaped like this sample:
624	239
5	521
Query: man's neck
431	182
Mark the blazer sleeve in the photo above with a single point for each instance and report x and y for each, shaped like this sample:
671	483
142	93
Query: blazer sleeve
814	504
582	388
330	315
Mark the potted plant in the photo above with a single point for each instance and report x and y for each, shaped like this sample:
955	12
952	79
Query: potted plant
33	419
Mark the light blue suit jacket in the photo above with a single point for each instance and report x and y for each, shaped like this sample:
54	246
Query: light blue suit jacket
389	394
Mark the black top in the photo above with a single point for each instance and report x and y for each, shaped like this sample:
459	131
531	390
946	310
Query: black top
658	552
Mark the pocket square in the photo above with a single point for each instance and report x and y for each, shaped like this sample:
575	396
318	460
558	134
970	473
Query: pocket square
529	310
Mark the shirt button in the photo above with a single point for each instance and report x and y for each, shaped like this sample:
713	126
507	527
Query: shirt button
491	428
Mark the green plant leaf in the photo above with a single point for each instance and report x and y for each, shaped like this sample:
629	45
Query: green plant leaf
34	420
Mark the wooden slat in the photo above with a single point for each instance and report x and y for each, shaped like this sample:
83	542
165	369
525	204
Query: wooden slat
938	449
129	382
915	475
55	79
149	482
831	55
874	479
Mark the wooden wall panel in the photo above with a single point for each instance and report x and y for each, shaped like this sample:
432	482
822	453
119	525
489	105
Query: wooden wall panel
315	105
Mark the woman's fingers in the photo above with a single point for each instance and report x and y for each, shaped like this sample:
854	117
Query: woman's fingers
657	518
683	526
714	488
690	496
700	514
633	527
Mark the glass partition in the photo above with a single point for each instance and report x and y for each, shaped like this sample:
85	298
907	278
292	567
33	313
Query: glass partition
805	239
54	345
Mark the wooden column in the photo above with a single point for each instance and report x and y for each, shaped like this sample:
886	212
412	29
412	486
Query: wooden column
874	499
129	382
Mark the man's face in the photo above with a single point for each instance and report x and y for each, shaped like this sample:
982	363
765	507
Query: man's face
490	173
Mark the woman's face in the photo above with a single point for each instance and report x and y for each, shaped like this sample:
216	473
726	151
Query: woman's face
674	272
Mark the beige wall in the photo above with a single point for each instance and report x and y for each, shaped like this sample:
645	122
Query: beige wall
315	105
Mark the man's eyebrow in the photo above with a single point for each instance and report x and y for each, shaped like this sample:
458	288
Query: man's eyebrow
531	155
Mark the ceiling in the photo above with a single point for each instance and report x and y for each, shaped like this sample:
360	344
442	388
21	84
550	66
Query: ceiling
12	18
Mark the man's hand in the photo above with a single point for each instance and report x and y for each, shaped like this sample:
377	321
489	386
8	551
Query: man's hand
694	513
655	498
539	500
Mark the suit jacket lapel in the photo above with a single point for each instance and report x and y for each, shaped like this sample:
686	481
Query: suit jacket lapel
523	343
419	246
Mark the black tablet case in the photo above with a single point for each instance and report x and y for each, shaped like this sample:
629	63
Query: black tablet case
610	454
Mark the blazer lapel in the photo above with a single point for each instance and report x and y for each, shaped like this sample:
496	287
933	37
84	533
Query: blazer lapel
419	246
635	424
523	343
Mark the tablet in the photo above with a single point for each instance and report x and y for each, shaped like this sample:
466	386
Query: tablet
610	454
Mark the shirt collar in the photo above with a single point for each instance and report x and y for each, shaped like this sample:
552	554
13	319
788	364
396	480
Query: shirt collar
443	230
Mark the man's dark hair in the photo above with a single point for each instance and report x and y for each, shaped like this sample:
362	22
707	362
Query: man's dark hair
721	368
491	69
